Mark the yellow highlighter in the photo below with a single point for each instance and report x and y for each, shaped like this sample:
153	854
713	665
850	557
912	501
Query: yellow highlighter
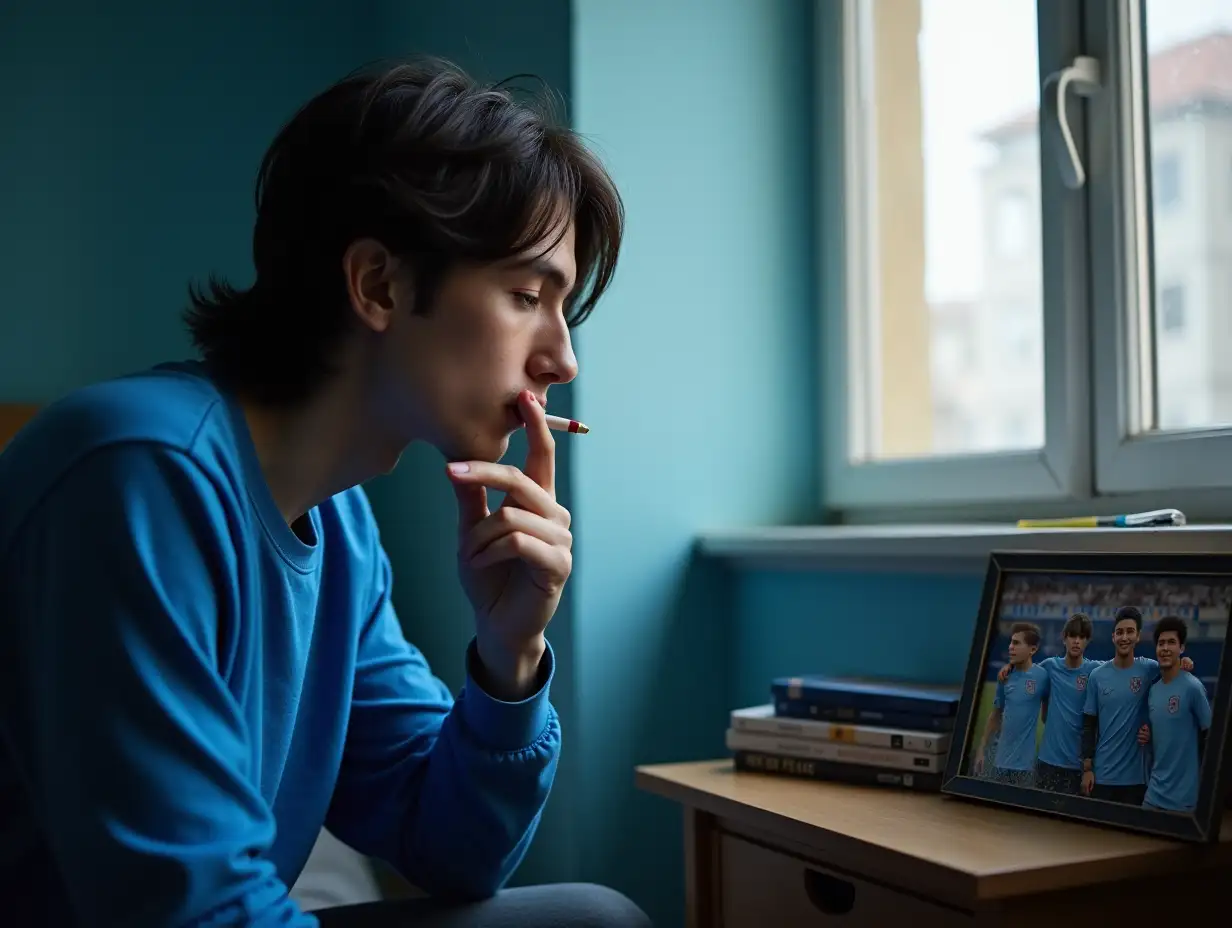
1155	517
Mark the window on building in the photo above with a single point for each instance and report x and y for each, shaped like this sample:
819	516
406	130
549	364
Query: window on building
1172	308
1166	176
1013	223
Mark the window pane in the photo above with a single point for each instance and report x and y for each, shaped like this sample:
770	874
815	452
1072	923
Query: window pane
1186	381
946	285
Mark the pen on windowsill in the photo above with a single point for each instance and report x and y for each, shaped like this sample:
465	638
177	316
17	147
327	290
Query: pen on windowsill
561	424
1155	517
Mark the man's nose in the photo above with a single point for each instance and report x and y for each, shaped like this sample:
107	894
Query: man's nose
555	361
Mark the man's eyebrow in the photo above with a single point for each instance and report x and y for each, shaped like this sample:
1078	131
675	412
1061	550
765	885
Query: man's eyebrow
542	267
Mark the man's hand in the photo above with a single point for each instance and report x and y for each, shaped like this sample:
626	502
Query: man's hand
1186	665
1088	782
977	765
513	563
1144	734
1004	673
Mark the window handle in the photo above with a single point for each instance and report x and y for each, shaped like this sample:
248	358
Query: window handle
1082	79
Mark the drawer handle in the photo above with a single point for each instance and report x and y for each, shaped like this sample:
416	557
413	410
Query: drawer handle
828	893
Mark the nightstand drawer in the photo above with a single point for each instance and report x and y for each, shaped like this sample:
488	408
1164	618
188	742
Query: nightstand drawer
760	887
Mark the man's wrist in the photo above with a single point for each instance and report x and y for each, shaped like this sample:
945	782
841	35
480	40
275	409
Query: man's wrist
511	674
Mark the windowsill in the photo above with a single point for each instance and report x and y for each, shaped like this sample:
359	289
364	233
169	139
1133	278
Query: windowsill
941	548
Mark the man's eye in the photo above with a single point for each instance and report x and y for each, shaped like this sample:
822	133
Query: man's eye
529	300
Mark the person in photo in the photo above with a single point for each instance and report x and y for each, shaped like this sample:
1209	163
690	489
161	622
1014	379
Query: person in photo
1114	761
1016	712
1179	716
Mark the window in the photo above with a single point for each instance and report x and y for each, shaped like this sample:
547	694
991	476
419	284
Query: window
954	202
1166	174
1172	308
1013	223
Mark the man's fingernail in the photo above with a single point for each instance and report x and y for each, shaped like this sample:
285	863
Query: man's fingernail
459	467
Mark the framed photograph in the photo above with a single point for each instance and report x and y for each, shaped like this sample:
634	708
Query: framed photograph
1098	689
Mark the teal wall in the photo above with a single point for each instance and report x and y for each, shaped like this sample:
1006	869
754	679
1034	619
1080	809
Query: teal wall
695	380
131	135
911	626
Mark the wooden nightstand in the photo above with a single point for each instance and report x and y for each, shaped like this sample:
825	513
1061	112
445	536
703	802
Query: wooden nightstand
764	850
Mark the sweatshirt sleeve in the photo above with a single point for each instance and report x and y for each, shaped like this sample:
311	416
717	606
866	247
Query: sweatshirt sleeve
134	753
450	793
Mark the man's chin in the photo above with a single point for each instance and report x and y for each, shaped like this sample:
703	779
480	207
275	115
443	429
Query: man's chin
475	450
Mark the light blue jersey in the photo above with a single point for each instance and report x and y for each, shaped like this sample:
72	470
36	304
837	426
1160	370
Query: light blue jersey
1178	711
1118	697
1061	745
1019	699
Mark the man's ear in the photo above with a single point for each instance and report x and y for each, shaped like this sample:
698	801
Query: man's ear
372	285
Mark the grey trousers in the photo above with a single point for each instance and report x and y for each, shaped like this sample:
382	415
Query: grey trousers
552	905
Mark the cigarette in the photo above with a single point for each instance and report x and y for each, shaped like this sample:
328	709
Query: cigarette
566	425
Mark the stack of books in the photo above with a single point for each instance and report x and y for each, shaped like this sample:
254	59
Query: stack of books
880	732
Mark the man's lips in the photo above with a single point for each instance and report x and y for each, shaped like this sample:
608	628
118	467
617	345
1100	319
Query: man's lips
516	409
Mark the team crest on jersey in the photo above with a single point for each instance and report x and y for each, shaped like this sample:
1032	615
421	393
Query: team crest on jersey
1082	682
1174	703
1030	687
1135	683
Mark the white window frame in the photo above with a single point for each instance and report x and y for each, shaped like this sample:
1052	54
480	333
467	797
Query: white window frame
1127	462
1092	459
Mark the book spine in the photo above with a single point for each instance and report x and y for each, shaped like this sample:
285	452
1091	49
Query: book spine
877	701
882	702
795	708
806	768
923	742
835	751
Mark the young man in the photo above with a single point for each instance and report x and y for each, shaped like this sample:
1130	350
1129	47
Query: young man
1113	760
1059	766
202	665
1016	711
1180	715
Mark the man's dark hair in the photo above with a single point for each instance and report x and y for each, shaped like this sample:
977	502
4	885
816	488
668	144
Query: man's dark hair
1079	625
441	170
1030	633
1172	623
1128	612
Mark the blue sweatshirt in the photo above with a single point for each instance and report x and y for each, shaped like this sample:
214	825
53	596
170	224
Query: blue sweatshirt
189	690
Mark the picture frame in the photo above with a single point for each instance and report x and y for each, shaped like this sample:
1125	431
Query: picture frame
1049	591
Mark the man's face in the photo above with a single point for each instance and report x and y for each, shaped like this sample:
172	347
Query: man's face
1125	637
1168	649
1020	651
1076	645
453	375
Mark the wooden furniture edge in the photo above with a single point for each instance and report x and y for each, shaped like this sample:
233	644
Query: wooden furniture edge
12	417
858	857
918	874
701	868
